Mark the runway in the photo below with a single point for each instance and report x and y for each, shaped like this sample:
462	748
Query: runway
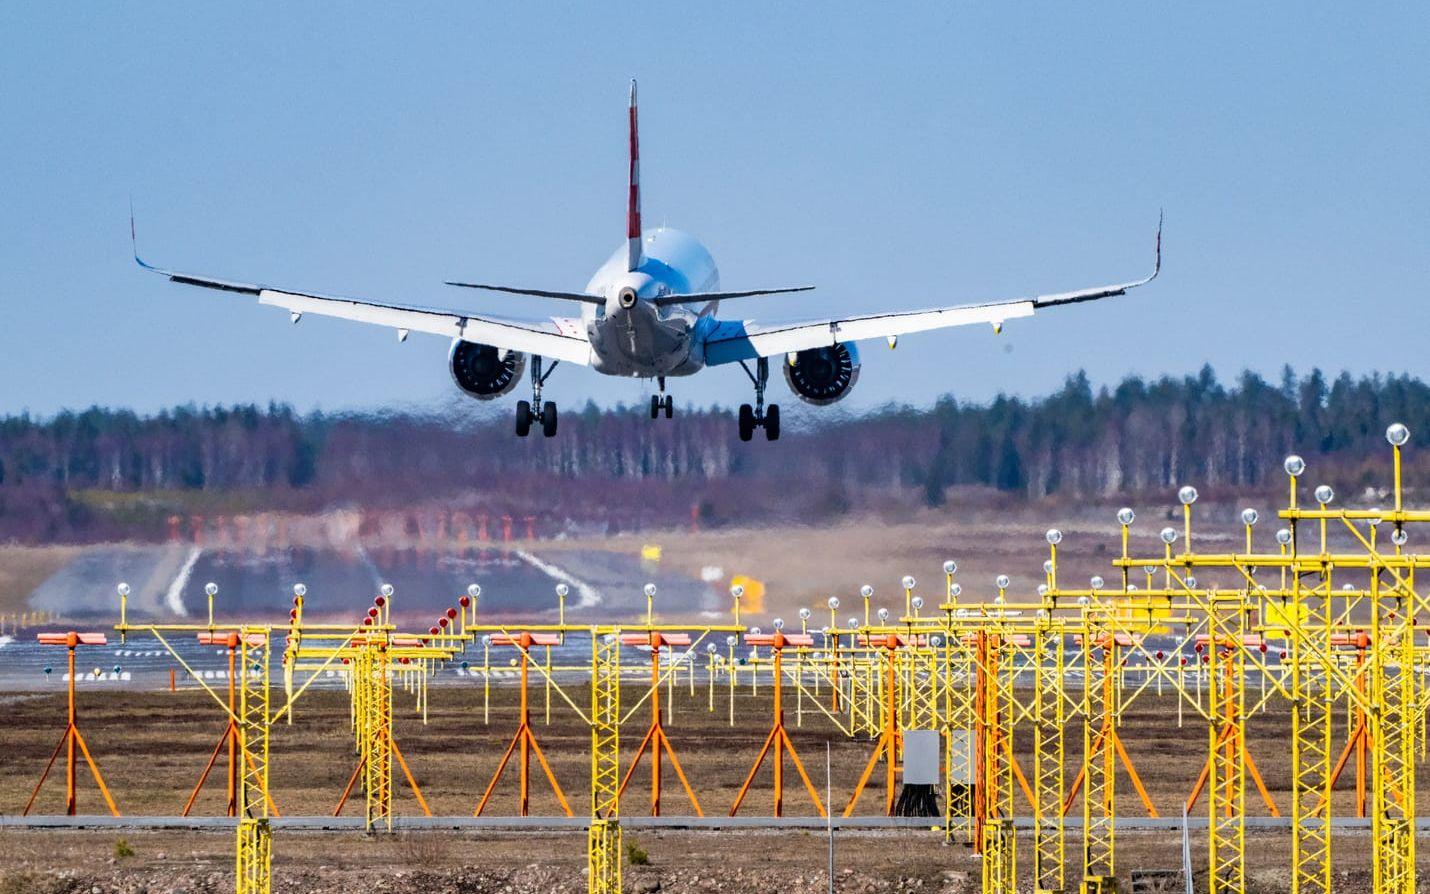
168	581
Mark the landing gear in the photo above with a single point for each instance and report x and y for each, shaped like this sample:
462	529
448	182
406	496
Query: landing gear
525	416
662	402
759	416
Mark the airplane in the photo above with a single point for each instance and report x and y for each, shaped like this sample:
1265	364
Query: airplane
649	312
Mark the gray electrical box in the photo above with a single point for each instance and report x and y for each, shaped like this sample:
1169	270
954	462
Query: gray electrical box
960	757
921	757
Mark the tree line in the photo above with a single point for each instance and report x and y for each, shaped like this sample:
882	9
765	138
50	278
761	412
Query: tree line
101	473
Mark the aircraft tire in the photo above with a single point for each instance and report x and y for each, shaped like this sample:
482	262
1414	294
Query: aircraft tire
747	422
548	419
772	422
523	418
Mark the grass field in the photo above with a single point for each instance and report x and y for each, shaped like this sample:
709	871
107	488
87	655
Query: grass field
23	568
152	746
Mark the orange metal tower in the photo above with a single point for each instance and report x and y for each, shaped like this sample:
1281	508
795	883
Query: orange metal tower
1227	708
655	738
524	738
778	738
231	734
72	735
1107	742
890	738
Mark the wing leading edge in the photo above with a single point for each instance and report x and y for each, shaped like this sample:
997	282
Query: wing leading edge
556	340
733	341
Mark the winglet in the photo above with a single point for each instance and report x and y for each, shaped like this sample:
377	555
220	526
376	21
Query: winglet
634	255
134	242
1161	215
1157	267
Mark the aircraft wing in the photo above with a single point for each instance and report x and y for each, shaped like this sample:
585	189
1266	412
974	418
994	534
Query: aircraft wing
555	339
733	341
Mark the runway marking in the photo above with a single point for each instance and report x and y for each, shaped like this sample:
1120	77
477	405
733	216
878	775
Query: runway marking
589	595
175	597
363	557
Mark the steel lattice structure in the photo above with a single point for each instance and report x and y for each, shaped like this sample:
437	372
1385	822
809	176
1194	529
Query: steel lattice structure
1323	623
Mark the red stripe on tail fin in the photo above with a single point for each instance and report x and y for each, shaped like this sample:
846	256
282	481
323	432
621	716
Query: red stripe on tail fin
633	208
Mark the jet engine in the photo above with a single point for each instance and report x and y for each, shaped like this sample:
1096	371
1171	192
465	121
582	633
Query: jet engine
823	375
482	371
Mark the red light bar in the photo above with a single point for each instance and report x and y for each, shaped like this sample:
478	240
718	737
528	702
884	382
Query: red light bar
71	639
786	639
221	638
1248	640
655	638
1122	639
525	639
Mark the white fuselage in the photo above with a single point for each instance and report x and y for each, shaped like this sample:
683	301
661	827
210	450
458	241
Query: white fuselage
631	336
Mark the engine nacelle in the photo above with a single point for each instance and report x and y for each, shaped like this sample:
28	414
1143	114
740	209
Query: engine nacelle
481	370
823	375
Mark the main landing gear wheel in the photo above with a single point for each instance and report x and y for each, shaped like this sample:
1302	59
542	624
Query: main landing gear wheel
655	406
525	416
669	404
751	420
759	416
747	422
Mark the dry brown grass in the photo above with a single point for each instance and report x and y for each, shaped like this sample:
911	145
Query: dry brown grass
23	568
151	747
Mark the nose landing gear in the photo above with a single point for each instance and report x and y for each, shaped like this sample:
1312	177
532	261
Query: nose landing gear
529	414
662	402
759	416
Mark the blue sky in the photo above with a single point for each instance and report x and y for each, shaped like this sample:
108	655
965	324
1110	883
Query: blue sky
898	157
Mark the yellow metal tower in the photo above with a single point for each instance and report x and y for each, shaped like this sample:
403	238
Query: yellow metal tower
1049	719
603	843
254	860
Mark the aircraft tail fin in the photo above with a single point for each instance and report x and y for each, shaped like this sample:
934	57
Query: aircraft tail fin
634	255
